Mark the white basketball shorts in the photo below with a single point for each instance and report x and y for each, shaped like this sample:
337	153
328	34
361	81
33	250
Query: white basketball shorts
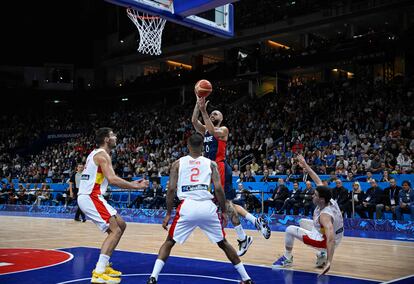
191	214
97	209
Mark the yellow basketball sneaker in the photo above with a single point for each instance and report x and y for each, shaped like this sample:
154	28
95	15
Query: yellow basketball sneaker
104	278
112	272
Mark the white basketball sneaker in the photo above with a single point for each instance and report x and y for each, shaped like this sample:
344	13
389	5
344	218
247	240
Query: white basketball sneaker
244	245
321	259
263	227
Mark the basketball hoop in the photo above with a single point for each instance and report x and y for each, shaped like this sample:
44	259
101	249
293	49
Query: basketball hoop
150	31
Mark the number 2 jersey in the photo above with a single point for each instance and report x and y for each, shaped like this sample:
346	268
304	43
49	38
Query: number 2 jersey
194	177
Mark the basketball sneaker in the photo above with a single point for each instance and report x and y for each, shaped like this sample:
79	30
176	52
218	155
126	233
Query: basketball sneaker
262	225
249	281
104	278
282	262
152	280
321	259
244	245
112	272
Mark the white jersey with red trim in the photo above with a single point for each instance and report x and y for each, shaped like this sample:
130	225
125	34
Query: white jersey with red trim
338	223
93	180
194	177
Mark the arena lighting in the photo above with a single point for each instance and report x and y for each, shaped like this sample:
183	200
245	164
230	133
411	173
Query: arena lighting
124	99
178	64
350	74
276	44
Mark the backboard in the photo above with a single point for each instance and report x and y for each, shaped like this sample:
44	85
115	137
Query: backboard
210	16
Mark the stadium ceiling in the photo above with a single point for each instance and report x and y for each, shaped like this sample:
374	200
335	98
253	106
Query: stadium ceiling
387	17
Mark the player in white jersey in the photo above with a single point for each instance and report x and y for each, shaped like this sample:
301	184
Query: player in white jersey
324	232
96	176
190	176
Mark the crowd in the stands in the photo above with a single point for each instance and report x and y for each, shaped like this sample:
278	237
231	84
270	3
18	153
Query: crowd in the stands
345	128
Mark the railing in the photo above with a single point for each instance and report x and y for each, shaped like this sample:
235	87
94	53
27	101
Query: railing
251	156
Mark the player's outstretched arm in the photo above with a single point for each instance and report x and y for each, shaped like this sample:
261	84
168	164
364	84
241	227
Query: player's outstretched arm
104	161
311	172
215	131
199	127
326	222
202	106
172	187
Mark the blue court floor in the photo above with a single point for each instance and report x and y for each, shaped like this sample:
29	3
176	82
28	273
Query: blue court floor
137	267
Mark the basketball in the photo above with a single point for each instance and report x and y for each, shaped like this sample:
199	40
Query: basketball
203	88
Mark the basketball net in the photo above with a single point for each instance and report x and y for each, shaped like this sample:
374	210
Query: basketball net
150	31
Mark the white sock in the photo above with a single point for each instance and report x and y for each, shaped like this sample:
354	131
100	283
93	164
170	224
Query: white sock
251	218
288	254
241	235
242	271
102	263
159	264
